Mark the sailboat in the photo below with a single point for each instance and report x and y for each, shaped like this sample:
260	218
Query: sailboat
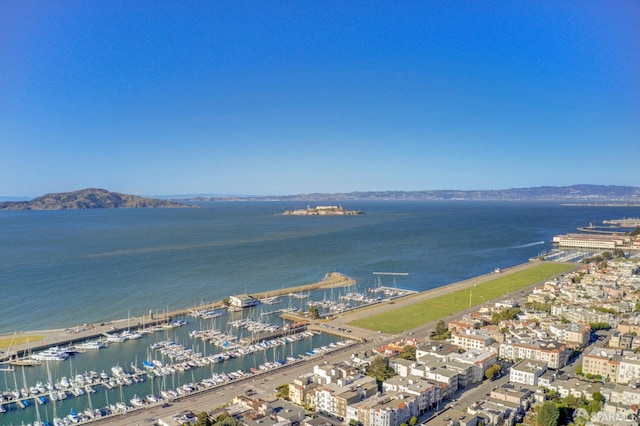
26	361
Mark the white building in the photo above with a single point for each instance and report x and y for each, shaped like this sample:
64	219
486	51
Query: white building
527	372
471	339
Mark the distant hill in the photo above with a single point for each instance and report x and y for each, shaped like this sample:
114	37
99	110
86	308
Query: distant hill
579	194
90	198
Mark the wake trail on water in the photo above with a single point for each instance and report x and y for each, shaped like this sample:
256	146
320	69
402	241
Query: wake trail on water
537	243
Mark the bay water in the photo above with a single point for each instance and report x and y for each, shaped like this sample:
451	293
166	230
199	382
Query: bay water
66	268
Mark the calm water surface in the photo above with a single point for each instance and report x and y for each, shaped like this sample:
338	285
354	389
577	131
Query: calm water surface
64	268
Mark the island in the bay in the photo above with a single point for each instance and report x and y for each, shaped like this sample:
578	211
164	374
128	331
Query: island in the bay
323	211
89	198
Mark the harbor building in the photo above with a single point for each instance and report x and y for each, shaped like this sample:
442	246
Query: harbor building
592	241
243	301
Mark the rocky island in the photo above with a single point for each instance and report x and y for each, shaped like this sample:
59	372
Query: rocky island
323	211
90	198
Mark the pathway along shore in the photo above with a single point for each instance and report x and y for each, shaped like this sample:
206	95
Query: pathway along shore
46	338
40	339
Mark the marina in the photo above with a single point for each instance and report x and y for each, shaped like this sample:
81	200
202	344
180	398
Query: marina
133	367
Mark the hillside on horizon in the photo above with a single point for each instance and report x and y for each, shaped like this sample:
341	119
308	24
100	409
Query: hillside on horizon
573	193
94	198
89	198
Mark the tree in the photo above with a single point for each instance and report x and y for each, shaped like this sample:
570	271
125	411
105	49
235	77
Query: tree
380	369
548	414
202	419
597	396
441	331
225	419
314	312
595	326
282	391
408	352
413	420
491	372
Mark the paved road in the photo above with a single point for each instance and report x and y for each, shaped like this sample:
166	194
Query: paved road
265	384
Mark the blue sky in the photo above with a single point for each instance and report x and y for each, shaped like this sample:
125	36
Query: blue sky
283	97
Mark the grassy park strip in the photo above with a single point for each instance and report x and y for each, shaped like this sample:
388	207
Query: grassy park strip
416	314
13	341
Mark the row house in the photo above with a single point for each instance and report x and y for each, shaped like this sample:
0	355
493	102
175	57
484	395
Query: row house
435	349
602	362
575	335
624	340
587	316
512	394
393	349
492	413
428	393
471	339
527	372
576	387
390	409
453	375
460	325
334	399
628	326
621	394
555	354
301	390
479	359
329	373
629	369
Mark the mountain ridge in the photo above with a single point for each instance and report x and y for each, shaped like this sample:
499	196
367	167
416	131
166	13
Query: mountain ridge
88	198
583	193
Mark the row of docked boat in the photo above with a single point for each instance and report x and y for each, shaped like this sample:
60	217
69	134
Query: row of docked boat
205	313
57	353
254	326
84	383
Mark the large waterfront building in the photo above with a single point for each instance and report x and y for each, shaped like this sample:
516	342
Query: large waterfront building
592	241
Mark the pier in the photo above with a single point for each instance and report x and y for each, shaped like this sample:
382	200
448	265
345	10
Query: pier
91	331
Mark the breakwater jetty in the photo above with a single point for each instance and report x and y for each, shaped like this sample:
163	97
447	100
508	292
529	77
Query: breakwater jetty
20	343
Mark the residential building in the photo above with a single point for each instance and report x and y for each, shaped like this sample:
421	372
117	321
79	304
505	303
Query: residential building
555	354
602	362
300	390
527	372
471	339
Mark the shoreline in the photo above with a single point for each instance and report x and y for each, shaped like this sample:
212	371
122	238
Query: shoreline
62	336
59	336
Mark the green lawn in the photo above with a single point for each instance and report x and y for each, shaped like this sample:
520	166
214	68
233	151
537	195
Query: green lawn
406	318
7	342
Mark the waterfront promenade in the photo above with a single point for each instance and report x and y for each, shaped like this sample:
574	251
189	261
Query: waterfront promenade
45	338
264	385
